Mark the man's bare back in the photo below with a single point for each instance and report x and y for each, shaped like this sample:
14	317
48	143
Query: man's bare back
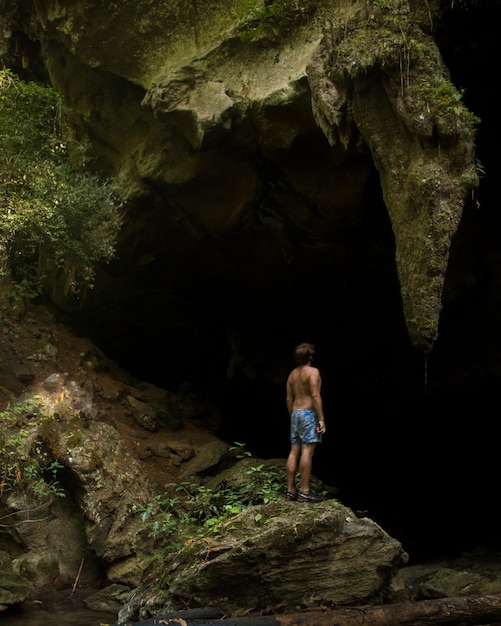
303	383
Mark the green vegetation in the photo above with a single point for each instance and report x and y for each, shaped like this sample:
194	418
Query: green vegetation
55	215
444	102
392	34
389	34
188	510
24	467
276	17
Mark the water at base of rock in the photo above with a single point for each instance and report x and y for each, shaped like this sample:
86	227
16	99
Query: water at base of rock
62	614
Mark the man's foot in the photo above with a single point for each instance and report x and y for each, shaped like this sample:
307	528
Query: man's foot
308	496
291	496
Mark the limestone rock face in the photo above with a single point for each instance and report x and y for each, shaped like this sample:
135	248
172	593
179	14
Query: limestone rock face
245	140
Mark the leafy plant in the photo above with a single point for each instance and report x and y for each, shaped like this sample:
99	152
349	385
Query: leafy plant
240	450
55	214
187	510
23	466
274	17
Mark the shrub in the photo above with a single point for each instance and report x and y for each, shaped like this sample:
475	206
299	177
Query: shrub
25	468
55	214
187	510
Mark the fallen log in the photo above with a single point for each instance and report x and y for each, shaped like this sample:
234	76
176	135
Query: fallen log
457	611
202	615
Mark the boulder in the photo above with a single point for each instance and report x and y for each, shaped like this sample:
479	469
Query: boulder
257	562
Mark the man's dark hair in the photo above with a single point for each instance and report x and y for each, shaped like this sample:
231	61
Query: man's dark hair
303	353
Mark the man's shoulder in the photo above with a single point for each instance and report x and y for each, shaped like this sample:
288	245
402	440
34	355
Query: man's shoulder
301	370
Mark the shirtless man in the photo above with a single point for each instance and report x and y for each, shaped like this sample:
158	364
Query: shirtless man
307	425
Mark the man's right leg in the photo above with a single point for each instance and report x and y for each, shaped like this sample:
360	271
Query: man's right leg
305	464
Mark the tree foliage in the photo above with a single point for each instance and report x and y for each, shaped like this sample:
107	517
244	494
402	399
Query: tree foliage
55	214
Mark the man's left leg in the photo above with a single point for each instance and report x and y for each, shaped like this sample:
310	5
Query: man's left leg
291	467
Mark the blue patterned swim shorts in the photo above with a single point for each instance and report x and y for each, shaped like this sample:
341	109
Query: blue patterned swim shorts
304	427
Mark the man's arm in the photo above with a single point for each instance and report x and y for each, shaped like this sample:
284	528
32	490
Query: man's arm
316	398
289	397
